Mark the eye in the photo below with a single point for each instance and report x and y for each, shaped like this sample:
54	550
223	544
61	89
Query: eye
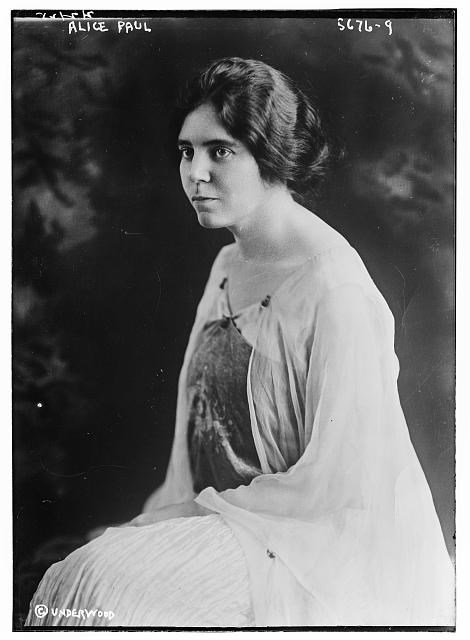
186	152
222	153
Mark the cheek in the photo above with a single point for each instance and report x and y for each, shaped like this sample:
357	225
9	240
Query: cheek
184	176
251	181
243	178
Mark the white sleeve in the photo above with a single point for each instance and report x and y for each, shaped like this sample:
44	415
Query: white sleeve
353	519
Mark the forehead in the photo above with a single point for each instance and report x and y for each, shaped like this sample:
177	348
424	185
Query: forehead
203	124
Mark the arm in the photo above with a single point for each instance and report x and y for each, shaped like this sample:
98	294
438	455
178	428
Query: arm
353	520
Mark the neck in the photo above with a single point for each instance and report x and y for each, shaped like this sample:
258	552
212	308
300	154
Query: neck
266	236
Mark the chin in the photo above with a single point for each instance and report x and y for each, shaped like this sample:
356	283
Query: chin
210	221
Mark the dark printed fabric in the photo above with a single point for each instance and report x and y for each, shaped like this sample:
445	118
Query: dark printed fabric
221	447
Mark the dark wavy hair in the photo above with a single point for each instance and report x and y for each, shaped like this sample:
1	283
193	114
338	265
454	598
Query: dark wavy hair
264	109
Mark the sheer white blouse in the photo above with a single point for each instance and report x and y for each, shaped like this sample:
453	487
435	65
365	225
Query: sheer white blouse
340	529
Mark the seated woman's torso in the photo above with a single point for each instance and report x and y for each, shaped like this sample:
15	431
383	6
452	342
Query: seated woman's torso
221	447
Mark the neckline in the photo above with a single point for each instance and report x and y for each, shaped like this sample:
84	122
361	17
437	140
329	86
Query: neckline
264	302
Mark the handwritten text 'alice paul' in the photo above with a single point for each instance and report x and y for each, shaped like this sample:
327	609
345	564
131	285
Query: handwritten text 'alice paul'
123	26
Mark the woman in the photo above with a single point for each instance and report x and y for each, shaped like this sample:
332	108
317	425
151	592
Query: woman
293	495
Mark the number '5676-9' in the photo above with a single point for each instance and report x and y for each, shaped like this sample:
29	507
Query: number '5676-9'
363	25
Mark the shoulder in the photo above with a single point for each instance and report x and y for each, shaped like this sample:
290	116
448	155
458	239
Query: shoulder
335	266
334	286
216	275
311	235
332	303
219	266
223	257
331	259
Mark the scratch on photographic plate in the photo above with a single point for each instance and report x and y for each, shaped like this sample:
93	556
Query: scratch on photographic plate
403	299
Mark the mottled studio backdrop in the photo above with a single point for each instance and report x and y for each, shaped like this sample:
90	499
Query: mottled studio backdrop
109	260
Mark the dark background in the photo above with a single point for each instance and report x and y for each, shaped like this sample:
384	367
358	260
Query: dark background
109	260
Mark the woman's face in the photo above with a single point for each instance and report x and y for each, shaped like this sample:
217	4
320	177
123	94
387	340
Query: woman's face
219	174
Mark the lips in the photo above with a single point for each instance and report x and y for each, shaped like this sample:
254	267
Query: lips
202	198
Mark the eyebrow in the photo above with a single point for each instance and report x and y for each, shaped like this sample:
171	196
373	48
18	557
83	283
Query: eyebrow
222	142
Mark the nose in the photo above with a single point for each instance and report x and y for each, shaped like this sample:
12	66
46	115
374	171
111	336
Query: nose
200	168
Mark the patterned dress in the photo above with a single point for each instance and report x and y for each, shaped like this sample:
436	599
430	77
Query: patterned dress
221	447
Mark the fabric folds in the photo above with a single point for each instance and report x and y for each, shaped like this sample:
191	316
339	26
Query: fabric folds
340	529
183	572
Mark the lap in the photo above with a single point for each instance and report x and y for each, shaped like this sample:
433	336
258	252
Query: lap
180	572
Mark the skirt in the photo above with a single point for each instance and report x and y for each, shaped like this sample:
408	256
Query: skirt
183	572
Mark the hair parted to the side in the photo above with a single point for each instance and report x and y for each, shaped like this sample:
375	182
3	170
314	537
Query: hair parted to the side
263	108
